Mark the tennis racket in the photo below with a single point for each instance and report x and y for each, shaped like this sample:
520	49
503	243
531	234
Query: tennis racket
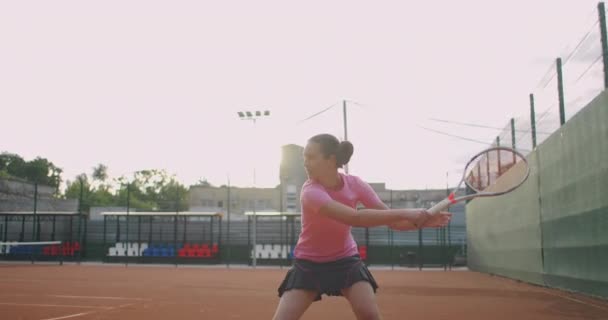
492	172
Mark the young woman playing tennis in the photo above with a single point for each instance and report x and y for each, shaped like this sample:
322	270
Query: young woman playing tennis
326	255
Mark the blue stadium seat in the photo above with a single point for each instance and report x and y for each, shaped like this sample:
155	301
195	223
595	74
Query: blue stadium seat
160	250
147	252
155	251
21	250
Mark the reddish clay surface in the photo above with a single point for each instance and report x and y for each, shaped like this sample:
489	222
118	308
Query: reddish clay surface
88	292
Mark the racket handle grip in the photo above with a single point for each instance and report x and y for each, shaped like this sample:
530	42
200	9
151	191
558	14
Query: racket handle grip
442	205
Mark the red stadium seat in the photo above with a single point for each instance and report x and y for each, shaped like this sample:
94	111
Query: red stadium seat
65	249
215	248
363	252
68	249
54	250
181	252
190	253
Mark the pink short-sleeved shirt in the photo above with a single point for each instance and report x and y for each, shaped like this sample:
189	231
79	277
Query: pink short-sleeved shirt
324	239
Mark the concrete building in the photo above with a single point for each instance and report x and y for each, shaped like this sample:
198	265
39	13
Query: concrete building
292	176
286	196
207	198
408	198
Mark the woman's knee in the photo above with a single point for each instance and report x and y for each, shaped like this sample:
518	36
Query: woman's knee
293	304
363	301
367	313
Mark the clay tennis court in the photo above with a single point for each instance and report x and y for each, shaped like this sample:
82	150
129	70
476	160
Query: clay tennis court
84	292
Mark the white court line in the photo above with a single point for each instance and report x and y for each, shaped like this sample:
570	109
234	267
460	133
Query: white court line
70	316
52	305
579	301
550	291
90	312
95	297
20	280
74	297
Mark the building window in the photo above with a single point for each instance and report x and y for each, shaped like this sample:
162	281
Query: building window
262	204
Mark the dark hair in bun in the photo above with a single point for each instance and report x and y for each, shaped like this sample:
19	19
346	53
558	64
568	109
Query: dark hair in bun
330	145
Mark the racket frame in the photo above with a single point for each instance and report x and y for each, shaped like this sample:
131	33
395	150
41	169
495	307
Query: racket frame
452	199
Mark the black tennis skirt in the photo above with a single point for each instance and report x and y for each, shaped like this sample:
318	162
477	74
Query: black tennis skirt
328	277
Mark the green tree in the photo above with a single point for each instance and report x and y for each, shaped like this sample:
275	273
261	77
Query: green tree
153	190
39	170
73	188
204	183
148	190
100	196
100	173
173	194
12	165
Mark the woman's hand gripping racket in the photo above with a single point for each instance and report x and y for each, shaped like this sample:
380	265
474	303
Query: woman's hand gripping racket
485	174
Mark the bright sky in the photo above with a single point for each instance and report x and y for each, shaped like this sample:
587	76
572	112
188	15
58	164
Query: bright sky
157	84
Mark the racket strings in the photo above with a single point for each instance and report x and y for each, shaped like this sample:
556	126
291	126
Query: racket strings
492	171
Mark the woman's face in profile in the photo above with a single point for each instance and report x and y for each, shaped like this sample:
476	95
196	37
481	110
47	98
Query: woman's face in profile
315	162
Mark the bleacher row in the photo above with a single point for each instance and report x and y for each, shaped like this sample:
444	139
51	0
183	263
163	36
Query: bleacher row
277	251
272	251
186	250
66	249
